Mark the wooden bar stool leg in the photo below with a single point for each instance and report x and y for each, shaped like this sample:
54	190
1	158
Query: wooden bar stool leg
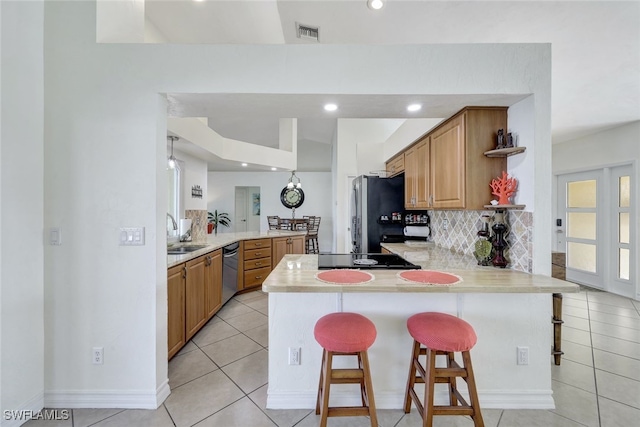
453	386
473	393
324	410
429	388
369	389
411	381
321	383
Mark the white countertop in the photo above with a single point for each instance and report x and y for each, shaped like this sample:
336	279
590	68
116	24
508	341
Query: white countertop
216	241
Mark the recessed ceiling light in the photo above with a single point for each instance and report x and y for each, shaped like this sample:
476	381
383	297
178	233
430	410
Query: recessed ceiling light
244	164
414	107
330	107
375	4
274	169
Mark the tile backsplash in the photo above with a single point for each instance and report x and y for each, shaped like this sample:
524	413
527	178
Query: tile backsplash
198	224
461	236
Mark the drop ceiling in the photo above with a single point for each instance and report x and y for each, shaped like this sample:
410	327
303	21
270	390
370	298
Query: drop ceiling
595	54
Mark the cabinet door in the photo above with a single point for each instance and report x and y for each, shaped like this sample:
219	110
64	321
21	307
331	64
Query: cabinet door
279	249
422	190
410	176
447	158
297	245
195	316
213	284
175	309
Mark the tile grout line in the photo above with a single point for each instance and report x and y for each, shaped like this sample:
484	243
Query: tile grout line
593	361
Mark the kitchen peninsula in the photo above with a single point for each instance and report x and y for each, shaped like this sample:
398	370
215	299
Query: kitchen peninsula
507	308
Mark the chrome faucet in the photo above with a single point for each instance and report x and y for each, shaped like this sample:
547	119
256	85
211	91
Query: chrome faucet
173	221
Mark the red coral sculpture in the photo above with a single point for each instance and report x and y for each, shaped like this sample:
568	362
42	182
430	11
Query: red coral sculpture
504	188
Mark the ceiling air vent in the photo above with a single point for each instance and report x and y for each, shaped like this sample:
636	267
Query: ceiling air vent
307	32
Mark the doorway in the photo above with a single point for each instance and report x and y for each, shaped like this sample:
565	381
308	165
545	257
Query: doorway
595	229
247	209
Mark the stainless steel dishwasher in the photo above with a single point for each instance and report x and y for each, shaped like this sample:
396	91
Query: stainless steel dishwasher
229	271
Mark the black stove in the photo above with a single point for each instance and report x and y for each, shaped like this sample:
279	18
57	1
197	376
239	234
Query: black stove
364	261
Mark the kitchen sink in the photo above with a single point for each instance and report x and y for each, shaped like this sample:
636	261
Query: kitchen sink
184	249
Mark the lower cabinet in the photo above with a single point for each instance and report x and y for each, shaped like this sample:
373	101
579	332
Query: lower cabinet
194	294
176	282
256	262
286	245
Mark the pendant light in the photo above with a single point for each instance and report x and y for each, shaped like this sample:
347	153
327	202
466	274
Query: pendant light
291	183
172	159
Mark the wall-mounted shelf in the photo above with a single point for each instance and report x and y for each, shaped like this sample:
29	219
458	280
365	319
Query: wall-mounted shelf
502	207
505	152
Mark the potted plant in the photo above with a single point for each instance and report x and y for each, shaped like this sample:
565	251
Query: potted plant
215	219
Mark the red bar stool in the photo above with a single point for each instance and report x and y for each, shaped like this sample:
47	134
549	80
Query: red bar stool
345	334
442	334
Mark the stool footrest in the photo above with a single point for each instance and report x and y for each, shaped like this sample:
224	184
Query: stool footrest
452	410
347	375
347	411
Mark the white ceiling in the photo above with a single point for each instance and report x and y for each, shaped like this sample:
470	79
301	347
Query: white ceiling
595	55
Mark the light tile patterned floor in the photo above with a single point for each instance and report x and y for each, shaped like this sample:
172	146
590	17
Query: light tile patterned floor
220	377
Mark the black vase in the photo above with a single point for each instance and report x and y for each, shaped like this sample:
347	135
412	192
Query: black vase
498	245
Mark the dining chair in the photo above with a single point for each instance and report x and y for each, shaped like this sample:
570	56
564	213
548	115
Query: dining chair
311	239
274	222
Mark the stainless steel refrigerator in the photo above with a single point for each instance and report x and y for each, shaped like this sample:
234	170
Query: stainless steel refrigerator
374	201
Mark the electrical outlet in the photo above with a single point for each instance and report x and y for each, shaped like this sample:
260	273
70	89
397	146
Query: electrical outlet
97	355
523	355
294	355
445	224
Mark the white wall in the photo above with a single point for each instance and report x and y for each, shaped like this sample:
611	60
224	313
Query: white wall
21	208
104	163
408	132
521	166
194	172
317	198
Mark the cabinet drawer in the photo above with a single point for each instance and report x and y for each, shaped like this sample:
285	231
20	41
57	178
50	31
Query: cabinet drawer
256	276
257	263
257	253
256	244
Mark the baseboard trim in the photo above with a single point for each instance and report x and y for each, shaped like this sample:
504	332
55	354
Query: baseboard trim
32	405
506	399
124	399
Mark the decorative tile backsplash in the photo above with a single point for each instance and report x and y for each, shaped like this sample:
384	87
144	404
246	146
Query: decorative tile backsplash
198	224
461	236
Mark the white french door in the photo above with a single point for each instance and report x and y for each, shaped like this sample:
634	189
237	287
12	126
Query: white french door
623	220
580	201
597	230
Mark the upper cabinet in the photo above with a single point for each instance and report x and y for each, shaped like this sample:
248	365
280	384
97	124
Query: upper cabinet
447	168
416	175
395	166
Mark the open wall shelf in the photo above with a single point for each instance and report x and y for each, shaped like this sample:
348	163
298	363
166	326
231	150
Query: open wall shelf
505	152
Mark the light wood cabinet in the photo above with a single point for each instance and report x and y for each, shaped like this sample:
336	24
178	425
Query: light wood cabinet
195	311
194	295
213	283
255	262
416	175
286	245
395	166
176	281
447	163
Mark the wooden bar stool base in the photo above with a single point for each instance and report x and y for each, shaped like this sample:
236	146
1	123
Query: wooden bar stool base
361	376
441	334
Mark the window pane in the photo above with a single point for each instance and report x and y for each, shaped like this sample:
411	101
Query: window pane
625	191
624	227
581	225
623	268
581	194
581	256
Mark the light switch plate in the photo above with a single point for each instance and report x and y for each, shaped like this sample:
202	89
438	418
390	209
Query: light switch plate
55	236
131	236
